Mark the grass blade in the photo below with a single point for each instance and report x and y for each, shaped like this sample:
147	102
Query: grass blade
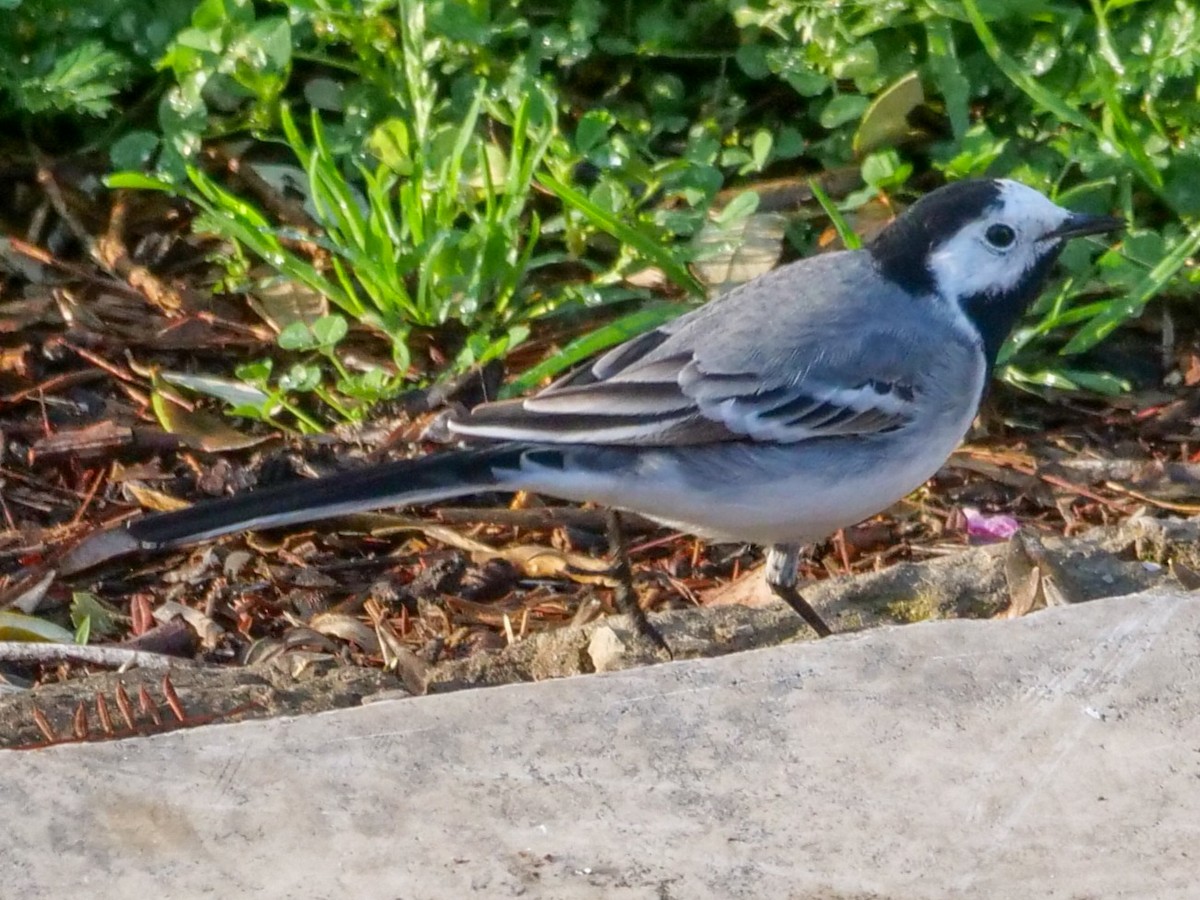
602	338
647	245
1050	101
1122	310
849	237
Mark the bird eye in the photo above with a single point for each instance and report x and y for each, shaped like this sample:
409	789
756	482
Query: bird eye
1000	236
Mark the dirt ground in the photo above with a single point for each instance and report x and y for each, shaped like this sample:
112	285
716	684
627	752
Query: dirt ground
495	590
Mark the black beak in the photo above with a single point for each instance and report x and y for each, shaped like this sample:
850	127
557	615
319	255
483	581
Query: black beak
1080	224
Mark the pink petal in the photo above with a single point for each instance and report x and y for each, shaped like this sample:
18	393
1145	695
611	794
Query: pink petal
986	528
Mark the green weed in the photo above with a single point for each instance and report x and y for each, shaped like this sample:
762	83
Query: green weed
476	171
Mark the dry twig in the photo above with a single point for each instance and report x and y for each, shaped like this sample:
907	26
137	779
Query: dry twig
109	250
114	657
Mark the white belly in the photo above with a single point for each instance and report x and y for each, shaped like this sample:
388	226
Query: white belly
743	492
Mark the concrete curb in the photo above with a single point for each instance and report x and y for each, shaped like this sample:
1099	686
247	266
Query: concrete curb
1053	756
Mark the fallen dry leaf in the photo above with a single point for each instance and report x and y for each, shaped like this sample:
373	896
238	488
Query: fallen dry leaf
199	429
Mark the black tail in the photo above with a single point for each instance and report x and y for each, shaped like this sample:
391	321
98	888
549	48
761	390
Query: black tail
438	476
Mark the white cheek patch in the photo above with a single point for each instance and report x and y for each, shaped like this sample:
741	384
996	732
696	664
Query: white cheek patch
965	266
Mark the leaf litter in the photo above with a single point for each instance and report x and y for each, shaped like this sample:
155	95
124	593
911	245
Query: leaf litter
108	366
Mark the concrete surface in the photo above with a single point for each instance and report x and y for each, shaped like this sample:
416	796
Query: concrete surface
1057	756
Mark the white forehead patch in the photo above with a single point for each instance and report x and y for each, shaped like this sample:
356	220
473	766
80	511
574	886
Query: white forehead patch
1023	204
968	263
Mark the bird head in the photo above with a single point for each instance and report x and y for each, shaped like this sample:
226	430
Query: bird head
984	245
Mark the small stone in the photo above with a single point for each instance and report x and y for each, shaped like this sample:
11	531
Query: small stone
606	650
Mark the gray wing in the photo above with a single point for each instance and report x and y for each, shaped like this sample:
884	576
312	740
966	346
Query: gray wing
796	355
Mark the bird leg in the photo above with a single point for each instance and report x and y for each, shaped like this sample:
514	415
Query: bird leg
624	594
782	570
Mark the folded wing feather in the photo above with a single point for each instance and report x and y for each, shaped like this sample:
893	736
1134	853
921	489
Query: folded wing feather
637	395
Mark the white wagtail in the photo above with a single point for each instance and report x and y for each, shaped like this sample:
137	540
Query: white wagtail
799	403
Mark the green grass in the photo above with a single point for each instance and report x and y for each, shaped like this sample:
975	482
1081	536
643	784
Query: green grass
479	172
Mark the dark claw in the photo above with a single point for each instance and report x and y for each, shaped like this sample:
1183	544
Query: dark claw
624	594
